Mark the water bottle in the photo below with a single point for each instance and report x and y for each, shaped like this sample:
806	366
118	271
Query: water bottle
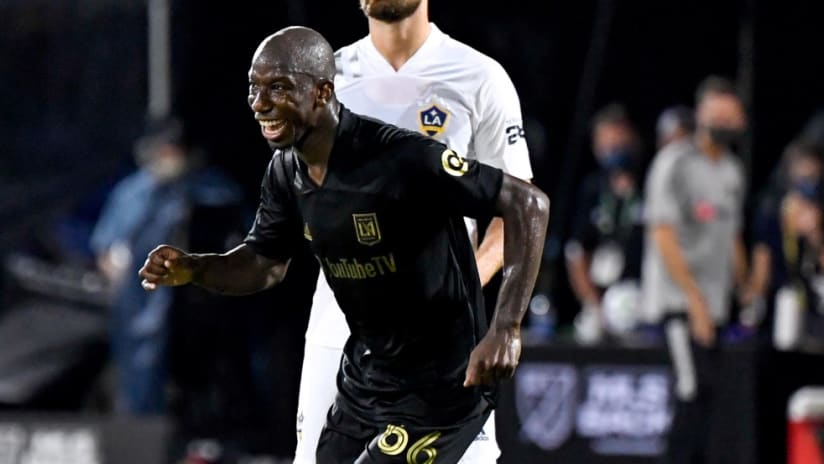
789	319
541	318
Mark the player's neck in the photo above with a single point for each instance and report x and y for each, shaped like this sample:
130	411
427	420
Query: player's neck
397	42
316	148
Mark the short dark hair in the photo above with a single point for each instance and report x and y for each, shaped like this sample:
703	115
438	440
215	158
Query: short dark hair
168	128
803	148
613	113
162	130
714	85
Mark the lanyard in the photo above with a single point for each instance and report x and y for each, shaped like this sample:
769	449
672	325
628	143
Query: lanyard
792	257
616	218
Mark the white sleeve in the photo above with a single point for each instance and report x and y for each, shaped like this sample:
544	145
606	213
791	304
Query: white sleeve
346	65
661	195
499	135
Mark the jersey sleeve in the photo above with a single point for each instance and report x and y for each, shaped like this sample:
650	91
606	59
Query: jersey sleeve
741	194
110	226
662	205
276	231
499	138
459	185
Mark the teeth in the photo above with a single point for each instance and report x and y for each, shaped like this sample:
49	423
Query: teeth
269	123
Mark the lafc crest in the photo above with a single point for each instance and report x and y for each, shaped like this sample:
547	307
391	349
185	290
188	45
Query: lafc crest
433	120
367	230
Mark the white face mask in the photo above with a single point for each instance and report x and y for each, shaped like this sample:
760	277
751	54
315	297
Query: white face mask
166	168
163	161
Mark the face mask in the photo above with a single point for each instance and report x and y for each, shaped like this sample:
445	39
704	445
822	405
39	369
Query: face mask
807	188
617	160
167	168
724	136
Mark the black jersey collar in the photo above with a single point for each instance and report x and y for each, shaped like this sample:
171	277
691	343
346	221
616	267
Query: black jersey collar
346	122
341	157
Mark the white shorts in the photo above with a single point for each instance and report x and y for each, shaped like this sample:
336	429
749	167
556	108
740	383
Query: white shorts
318	388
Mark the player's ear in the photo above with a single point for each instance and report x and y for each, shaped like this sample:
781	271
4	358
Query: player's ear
326	90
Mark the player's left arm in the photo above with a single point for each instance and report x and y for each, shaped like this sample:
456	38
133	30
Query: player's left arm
498	141
490	253
525	212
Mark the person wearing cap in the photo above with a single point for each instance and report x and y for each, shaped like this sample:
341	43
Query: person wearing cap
694	258
605	245
675	123
153	203
788	237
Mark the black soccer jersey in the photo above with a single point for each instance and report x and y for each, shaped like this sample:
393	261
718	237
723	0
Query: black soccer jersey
387	227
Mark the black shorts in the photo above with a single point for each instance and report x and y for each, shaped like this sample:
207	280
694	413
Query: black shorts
345	440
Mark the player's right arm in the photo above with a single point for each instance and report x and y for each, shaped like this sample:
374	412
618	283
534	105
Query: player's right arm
701	324
663	210
257	264
578	264
240	271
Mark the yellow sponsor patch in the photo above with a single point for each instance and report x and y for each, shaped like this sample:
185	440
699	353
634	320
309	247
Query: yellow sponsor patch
453	163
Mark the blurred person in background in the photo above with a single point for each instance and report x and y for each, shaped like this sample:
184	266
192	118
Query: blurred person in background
604	250
787	238
813	130
675	123
152	204
405	73
694	255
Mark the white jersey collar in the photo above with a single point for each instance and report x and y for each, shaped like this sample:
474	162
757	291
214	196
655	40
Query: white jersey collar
430	45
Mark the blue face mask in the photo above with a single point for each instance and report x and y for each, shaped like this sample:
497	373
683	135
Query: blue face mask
810	189
620	159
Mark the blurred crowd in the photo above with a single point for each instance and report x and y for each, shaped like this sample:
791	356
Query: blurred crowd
757	270
664	251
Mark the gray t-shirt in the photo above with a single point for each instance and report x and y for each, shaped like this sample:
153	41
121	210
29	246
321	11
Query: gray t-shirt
703	200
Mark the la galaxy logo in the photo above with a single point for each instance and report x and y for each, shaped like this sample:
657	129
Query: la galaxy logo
366	228
433	120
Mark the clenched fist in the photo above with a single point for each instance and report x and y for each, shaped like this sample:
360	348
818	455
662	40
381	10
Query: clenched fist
166	265
495	358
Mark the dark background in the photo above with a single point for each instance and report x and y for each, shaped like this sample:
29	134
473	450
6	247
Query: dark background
73	85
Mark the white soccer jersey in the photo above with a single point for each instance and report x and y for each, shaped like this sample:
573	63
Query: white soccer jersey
446	90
